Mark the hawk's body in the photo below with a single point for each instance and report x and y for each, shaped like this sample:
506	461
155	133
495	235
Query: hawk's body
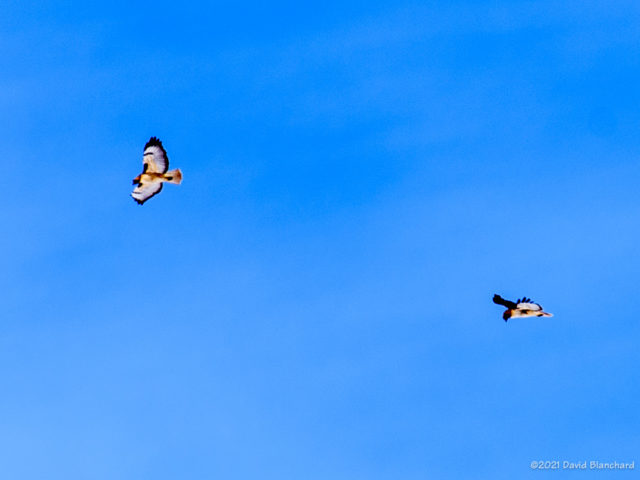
520	308
154	172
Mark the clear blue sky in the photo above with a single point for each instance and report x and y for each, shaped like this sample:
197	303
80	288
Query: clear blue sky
314	302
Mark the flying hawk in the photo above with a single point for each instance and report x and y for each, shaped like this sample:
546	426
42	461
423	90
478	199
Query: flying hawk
520	308
154	172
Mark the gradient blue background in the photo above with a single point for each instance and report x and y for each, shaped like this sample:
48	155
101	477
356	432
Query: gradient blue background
314	301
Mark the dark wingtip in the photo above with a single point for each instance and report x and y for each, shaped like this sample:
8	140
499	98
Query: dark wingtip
154	142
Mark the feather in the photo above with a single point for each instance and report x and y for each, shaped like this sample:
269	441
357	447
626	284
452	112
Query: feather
145	191
155	157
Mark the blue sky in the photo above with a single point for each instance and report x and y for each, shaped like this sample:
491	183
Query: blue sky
314	301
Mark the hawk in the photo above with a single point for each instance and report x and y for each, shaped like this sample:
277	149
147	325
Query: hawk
520	308
154	172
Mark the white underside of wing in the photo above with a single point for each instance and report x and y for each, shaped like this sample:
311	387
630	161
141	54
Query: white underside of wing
529	306
156	159
145	191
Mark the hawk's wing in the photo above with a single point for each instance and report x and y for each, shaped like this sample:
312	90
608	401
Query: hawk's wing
501	301
155	157
527	304
144	191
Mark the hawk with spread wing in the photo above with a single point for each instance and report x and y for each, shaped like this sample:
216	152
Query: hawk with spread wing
520	308
154	172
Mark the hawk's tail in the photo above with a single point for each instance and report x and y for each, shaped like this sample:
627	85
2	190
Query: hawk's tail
174	176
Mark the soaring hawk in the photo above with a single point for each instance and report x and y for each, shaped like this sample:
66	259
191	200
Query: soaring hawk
154	172
520	308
